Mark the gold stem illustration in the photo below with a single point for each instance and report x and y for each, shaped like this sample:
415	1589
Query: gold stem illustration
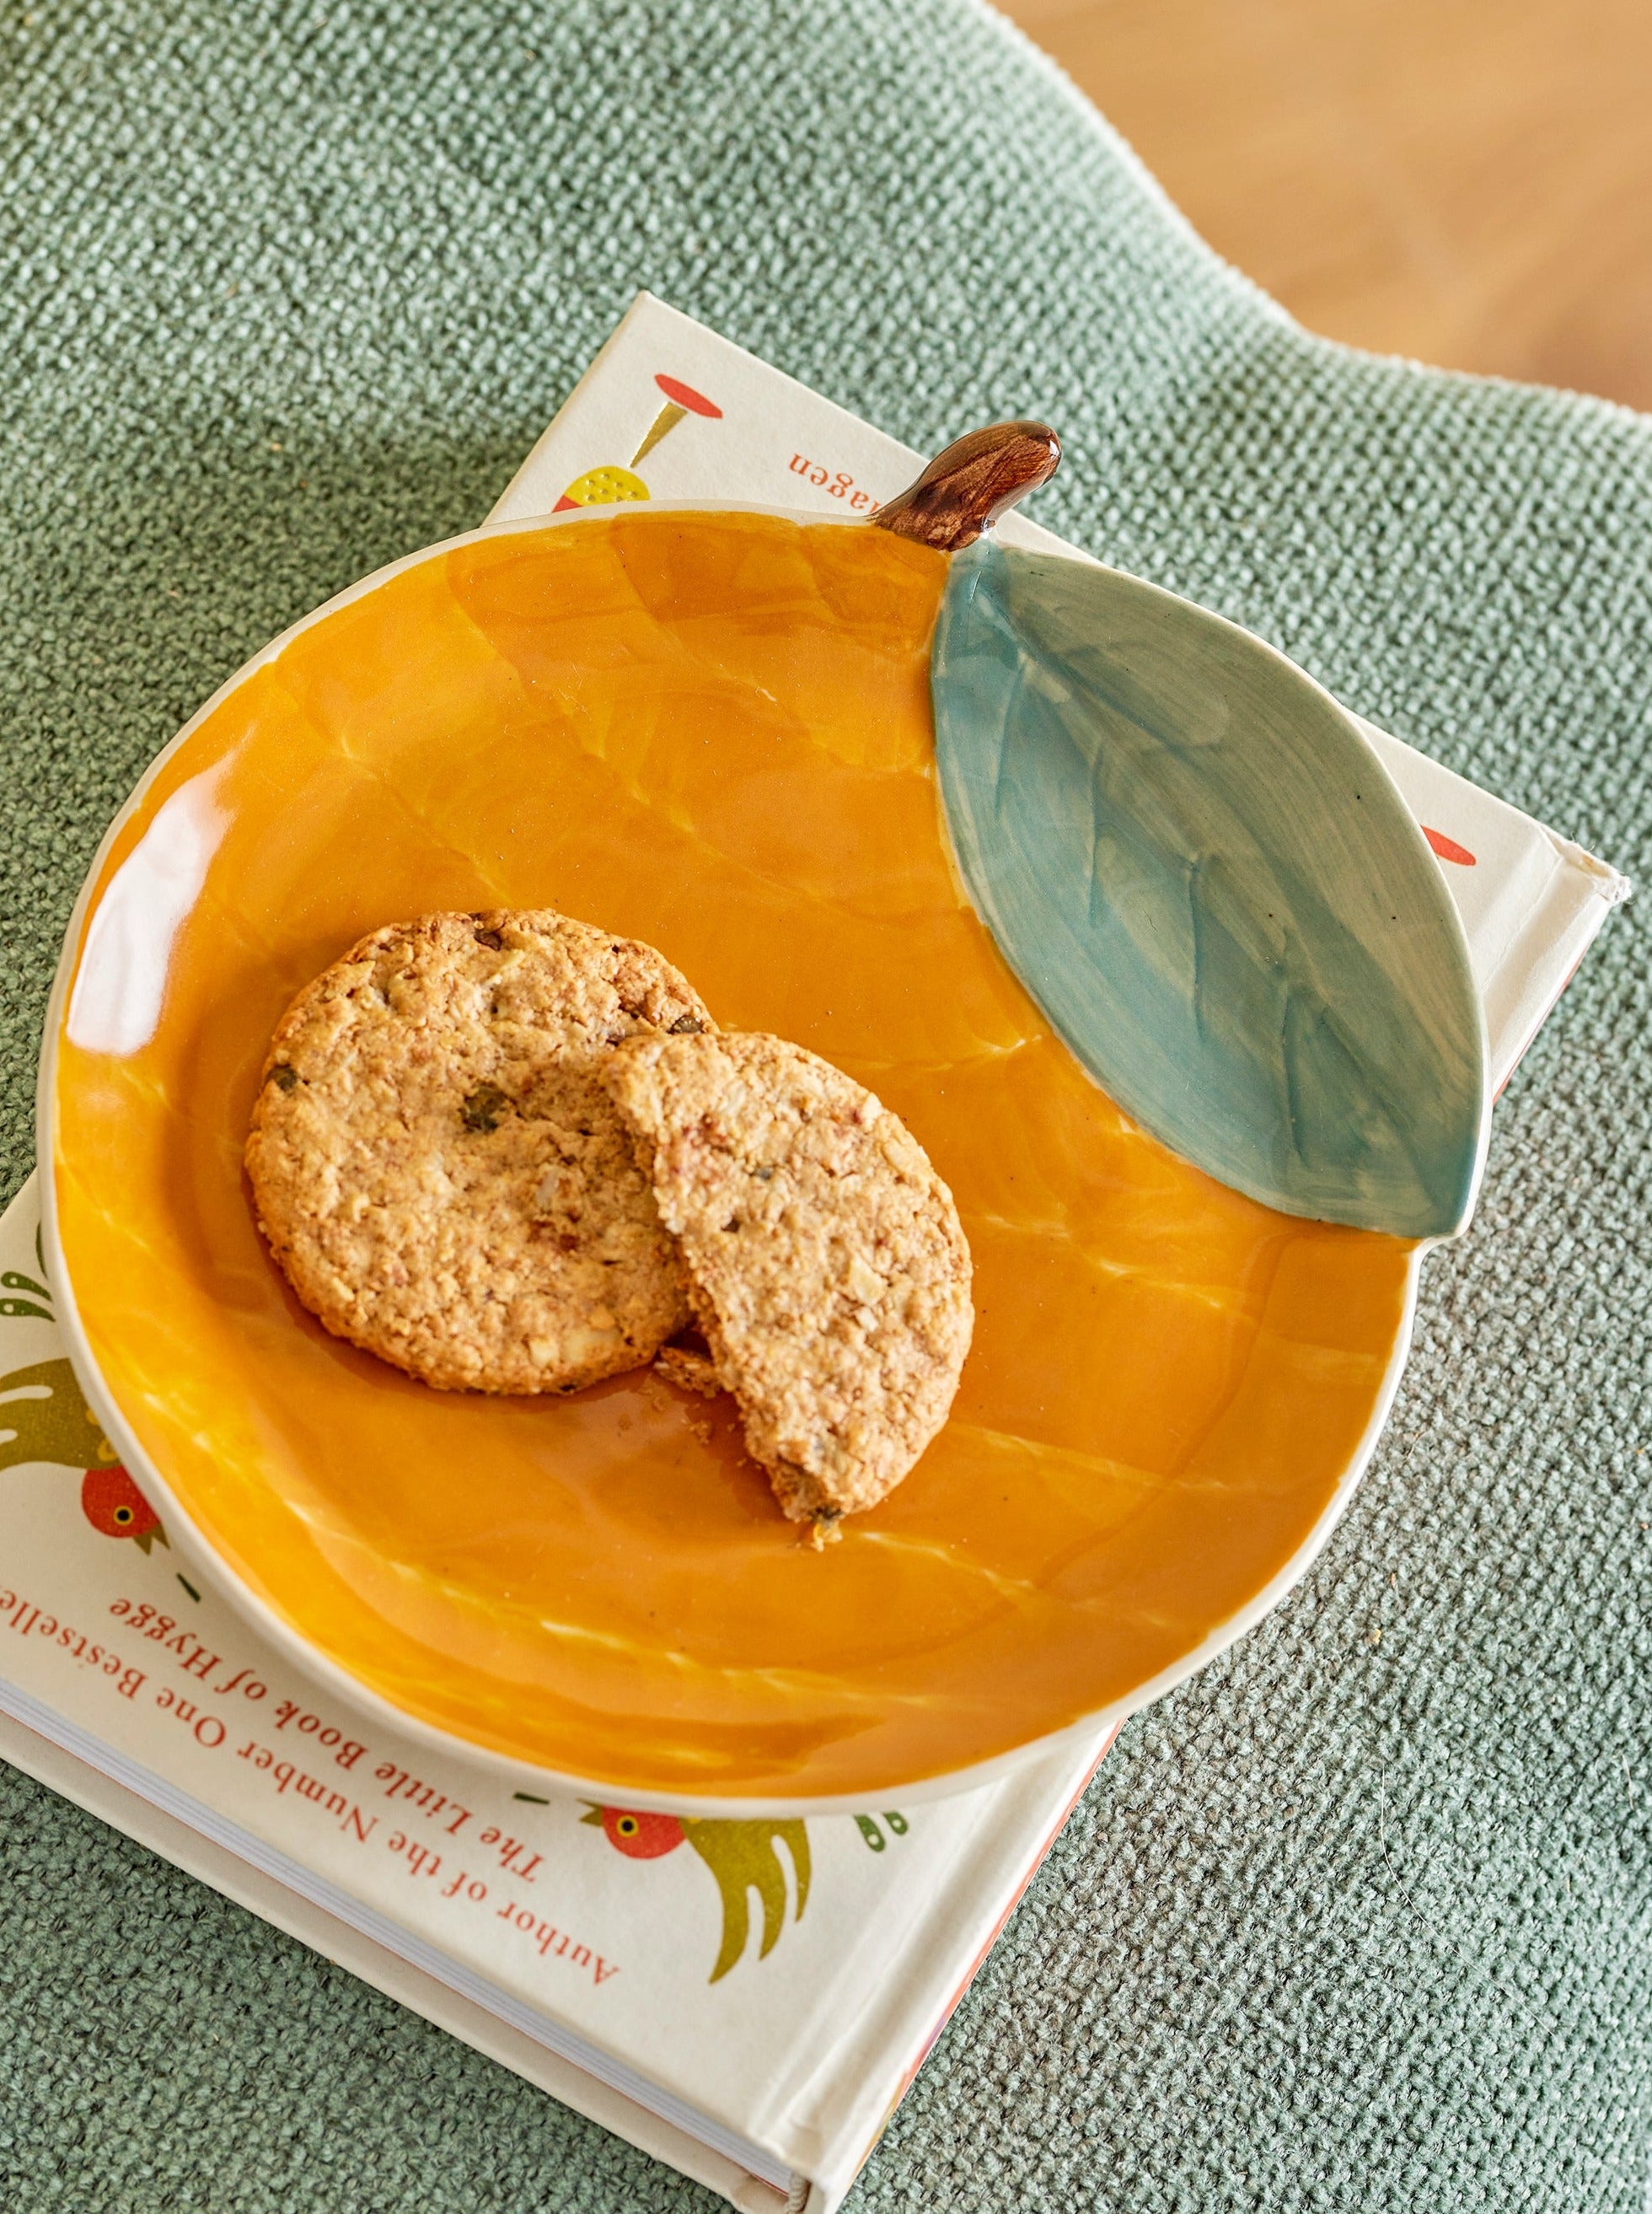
681	400
668	419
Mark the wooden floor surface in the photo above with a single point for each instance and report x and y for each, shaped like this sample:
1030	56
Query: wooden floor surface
1468	182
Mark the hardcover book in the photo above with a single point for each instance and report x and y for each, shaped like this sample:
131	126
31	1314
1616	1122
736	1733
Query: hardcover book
746	1999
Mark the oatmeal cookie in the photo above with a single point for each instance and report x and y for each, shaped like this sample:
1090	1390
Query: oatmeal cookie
828	1270
439	1170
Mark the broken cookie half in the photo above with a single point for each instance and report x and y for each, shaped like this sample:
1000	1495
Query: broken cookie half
826	1265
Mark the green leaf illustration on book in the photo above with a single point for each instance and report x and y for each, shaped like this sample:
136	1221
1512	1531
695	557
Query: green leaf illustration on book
741	1857
47	1418
44	1417
874	1836
14	1280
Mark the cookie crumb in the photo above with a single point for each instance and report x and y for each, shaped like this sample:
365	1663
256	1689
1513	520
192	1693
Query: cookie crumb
695	1372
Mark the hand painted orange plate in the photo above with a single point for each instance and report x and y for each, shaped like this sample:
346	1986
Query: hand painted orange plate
711	729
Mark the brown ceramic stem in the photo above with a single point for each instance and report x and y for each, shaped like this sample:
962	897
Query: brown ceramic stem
972	484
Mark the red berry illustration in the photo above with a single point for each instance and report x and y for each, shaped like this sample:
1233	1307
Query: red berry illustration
641	1837
741	1857
112	1504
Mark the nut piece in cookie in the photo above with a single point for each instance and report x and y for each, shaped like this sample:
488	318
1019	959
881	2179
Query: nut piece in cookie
439	1170
825	1261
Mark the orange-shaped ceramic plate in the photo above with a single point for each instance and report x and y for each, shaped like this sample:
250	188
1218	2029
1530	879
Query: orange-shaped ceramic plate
711	730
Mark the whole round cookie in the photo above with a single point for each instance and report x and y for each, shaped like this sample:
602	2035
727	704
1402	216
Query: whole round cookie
438	1168
827	1262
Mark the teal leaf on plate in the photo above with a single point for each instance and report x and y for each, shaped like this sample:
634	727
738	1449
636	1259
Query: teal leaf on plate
1192	859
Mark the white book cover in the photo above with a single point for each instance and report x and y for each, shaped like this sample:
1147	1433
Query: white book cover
767	1987
746	1999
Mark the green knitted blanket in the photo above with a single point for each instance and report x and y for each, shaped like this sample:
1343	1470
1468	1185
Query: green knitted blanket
1362	1917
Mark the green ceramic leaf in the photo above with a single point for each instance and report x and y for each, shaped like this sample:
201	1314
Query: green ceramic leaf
1193	860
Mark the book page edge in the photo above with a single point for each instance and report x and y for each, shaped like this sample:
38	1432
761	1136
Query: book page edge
236	1879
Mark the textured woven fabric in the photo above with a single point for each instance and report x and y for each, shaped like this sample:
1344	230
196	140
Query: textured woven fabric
1363	1918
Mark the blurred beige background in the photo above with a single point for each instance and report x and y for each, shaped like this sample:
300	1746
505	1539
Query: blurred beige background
1466	182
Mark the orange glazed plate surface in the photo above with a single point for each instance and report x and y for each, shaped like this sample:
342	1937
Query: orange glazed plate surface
711	730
